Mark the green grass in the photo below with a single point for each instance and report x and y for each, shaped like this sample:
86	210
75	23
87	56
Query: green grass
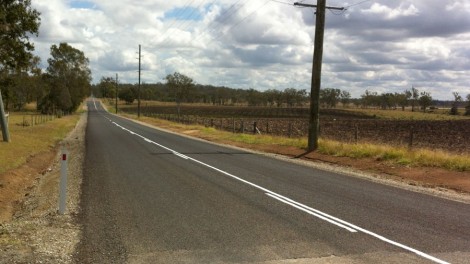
28	141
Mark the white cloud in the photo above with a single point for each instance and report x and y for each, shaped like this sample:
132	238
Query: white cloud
385	46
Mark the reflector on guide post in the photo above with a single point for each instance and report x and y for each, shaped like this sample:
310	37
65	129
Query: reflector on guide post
63	182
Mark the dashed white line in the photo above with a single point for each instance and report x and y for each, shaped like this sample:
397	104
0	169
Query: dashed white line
317	213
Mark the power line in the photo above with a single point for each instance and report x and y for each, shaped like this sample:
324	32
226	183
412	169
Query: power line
240	21
357	3
281	2
178	13
218	27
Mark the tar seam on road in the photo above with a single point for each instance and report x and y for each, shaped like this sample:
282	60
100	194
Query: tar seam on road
317	213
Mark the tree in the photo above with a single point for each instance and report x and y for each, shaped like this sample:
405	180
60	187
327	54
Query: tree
387	101
17	22
454	110
403	99
370	99
467	108
414	98
127	94
329	97
345	98
425	100
182	87
69	78
107	87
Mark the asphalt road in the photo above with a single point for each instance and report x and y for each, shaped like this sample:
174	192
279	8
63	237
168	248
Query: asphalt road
150	196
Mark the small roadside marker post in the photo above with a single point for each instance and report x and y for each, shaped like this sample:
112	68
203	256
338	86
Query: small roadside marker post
63	182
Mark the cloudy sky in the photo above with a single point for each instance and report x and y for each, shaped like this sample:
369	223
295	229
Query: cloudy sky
381	45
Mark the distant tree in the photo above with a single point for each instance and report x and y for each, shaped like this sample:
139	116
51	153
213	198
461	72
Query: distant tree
289	96
387	101
414	98
329	97
467	107
454	110
182	86
403	99
107	87
425	100
254	97
302	97
128	94
345	98
369	99
272	95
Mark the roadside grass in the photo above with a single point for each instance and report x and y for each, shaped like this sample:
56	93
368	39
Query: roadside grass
397	155
394	155
27	141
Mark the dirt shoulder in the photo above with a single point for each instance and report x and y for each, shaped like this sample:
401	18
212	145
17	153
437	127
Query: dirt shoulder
31	230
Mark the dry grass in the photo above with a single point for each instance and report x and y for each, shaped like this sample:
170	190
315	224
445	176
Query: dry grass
397	155
27	141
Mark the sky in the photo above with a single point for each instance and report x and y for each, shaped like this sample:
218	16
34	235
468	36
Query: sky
381	46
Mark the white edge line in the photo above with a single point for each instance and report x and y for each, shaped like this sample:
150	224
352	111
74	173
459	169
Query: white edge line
298	205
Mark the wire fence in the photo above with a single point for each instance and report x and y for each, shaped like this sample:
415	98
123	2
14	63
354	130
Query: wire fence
34	119
451	135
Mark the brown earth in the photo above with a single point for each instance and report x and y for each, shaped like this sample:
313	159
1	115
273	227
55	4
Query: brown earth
17	184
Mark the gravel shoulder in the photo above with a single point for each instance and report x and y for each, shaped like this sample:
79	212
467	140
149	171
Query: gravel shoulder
37	233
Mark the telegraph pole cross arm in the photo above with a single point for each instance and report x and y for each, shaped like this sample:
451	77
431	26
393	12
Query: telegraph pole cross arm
315	6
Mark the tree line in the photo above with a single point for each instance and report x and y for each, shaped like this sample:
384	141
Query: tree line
61	87
181	88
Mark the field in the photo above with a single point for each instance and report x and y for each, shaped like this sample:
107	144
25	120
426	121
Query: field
392	127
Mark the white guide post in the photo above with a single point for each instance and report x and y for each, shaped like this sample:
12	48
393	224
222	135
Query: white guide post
63	182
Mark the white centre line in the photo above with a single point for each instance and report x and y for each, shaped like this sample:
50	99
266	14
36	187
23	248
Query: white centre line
317	213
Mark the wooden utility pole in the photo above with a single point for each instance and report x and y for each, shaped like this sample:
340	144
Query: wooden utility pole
3	121
138	88
314	120
117	91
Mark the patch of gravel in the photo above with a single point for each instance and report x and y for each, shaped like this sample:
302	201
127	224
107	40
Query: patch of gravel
38	234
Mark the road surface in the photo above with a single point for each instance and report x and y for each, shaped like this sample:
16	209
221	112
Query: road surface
155	197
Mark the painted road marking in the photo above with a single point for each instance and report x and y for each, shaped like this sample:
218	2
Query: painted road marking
331	219
310	212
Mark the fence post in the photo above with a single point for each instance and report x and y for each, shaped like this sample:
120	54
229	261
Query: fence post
255	127
242	126
267	126
233	125
212	122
